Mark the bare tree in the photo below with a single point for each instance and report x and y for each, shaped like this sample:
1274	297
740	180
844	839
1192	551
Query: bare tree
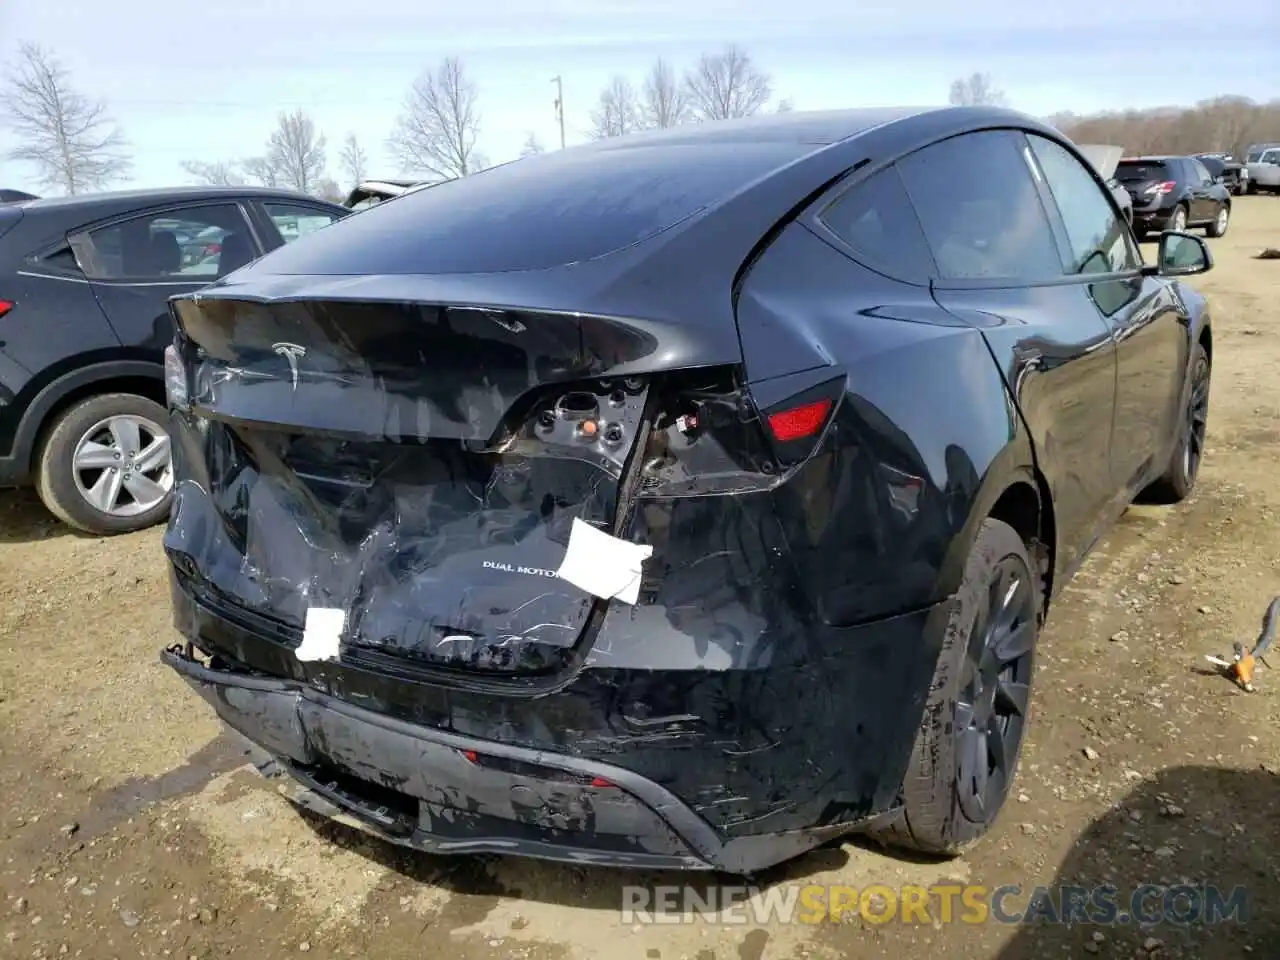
437	131
665	100
618	112
218	173
296	151
532	145
326	188
353	160
977	90
69	139
727	84
261	170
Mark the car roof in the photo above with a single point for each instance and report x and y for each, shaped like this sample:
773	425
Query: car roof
113	200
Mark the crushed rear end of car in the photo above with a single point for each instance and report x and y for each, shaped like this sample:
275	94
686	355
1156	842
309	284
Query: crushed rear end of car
403	561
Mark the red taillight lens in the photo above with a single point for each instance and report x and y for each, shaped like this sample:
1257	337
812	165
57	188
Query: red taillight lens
602	783
5	307
1160	189
799	422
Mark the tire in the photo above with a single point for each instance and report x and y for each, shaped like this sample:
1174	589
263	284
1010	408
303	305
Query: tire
96	430
1218	227
1179	478
940	815
1178	219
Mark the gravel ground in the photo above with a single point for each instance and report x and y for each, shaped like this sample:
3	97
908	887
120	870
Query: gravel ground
131	827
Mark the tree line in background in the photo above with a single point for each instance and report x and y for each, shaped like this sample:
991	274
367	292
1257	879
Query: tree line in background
74	146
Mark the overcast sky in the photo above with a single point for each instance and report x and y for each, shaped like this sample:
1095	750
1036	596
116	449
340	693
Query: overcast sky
206	80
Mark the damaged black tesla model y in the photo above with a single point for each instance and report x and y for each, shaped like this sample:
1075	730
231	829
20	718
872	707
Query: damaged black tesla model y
679	500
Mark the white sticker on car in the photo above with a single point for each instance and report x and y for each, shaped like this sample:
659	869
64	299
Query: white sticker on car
322	633
603	565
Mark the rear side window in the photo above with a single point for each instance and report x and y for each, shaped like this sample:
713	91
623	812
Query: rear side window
980	209
294	221
196	244
1099	239
61	259
876	220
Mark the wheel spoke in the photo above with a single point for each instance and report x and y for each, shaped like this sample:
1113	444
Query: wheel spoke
106	490
994	785
154	456
1014	641
126	434
1011	698
973	765
144	490
96	456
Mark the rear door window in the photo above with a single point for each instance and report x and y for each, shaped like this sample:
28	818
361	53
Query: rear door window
293	220
178	245
876	221
981	210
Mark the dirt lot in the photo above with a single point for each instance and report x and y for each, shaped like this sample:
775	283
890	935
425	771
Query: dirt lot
130	826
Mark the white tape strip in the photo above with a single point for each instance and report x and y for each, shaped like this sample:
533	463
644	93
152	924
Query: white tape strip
603	565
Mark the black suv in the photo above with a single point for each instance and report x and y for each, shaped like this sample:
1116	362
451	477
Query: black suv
1173	193
84	286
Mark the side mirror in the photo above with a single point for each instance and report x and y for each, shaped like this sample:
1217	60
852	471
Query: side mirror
1181	255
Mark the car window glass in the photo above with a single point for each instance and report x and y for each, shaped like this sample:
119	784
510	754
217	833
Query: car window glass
61	259
876	220
980	209
178	245
1100	242
294	221
1271	156
1201	172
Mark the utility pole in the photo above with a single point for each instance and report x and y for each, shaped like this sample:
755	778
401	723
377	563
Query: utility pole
560	106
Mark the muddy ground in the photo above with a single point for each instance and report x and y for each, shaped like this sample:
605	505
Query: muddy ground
130	826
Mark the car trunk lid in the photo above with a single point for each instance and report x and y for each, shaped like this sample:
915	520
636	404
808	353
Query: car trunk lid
419	468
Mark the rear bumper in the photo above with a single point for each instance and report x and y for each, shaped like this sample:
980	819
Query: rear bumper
449	794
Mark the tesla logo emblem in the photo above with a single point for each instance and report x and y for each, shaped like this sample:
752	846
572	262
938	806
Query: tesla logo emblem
291	352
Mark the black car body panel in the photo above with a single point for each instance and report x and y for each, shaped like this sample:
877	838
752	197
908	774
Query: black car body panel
68	334
807	438
1233	174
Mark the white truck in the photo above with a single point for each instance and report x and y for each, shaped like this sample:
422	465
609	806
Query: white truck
1263	164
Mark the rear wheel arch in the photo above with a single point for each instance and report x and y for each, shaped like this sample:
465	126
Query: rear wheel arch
138	377
1026	506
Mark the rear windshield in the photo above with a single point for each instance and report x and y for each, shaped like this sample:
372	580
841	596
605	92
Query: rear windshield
1213	165
1131	170
536	212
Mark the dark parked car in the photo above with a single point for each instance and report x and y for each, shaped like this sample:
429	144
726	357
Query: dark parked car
1230	172
84	284
1173	193
681	500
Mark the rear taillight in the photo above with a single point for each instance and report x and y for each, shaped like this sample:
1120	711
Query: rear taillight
796	423
5	307
800	422
175	378
1160	189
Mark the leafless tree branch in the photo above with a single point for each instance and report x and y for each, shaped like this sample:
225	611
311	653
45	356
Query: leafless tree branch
977	90
617	113
261	170
532	146
727	84
436	132
68	138
218	173
353	159
296	151
665	100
